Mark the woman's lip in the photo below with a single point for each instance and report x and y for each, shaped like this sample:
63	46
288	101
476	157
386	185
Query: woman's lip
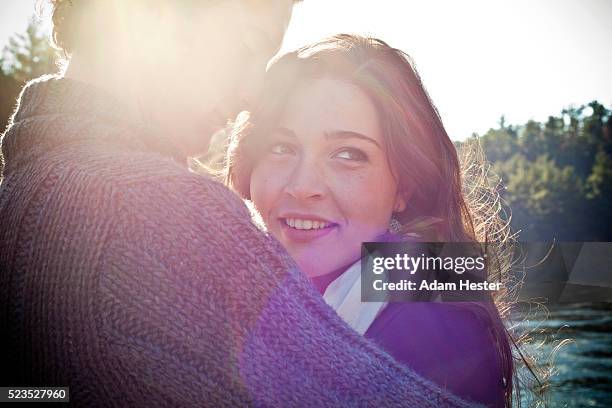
303	217
302	235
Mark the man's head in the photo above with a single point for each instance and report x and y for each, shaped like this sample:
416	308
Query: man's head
185	63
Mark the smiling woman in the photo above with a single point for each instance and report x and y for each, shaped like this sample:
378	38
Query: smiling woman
326	164
346	147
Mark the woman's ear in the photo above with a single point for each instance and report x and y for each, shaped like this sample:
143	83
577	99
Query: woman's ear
400	202
402	199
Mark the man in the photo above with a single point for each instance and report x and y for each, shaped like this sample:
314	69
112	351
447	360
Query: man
134	281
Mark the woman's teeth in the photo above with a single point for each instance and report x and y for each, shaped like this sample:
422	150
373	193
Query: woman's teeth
306	224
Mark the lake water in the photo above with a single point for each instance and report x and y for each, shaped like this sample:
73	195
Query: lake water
583	367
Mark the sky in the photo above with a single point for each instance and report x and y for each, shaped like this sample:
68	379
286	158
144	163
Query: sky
479	59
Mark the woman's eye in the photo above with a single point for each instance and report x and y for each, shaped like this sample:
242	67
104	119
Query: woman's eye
281	148
352	155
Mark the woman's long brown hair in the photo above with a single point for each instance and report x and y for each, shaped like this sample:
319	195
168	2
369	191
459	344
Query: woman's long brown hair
454	198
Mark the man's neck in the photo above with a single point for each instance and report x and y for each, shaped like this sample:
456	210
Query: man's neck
109	79
141	101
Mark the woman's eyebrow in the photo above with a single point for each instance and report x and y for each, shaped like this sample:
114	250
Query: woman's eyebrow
348	134
285	131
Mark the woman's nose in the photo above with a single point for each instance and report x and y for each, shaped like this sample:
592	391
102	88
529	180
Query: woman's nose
306	182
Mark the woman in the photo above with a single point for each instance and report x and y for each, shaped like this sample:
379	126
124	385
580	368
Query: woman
346	147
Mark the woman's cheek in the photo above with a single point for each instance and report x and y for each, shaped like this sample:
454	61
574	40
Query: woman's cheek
356	188
368	198
262	191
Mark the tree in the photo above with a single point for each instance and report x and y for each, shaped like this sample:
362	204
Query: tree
28	55
558	175
500	144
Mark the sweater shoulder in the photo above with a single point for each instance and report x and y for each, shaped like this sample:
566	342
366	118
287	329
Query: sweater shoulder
148	177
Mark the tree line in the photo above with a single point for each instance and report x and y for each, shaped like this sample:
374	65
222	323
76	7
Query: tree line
557	174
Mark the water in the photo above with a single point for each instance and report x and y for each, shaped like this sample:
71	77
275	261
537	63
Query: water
583	368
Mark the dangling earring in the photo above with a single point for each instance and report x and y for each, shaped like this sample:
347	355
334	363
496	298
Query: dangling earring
394	226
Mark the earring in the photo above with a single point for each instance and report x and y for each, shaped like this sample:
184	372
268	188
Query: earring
394	226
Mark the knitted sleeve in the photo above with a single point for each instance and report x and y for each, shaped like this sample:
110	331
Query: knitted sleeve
198	307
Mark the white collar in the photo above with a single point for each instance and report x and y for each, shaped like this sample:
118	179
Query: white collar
344	296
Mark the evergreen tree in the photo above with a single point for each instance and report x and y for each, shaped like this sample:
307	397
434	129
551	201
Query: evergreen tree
28	55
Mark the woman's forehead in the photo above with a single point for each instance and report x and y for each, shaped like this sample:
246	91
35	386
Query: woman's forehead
322	106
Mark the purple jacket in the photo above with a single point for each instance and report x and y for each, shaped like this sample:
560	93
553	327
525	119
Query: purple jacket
447	343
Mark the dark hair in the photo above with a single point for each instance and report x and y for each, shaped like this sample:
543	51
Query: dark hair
455	197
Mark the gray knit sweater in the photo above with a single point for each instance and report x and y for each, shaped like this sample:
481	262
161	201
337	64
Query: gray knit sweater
138	283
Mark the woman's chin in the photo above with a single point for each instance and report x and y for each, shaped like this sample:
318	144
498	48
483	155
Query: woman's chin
314	271
316	251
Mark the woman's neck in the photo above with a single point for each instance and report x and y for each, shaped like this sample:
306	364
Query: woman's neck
321	282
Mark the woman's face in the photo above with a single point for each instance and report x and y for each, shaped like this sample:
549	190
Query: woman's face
323	184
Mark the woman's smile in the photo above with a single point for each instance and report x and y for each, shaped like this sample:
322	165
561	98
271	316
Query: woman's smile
300	228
